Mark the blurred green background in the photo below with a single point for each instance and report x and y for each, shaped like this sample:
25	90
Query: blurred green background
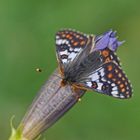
27	31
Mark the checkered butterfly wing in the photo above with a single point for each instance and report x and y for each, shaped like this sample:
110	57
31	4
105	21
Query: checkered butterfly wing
107	77
69	47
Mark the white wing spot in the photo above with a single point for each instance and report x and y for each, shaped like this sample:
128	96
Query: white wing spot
89	84
72	56
94	76
77	49
112	84
111	56
114	88
114	93
64	52
99	86
57	37
64	60
62	41
65	41
59	41
102	72
71	49
108	82
121	96
103	79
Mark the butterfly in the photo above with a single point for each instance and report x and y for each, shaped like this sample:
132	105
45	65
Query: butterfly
84	67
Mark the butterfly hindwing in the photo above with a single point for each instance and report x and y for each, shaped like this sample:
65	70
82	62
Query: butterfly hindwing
108	78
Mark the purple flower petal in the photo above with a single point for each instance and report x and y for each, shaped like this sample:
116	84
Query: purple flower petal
102	42
113	34
121	42
107	40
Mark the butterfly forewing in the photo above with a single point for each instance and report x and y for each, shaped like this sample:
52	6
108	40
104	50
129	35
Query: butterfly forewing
69	44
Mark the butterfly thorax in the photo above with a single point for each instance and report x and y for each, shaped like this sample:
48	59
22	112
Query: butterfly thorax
68	79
